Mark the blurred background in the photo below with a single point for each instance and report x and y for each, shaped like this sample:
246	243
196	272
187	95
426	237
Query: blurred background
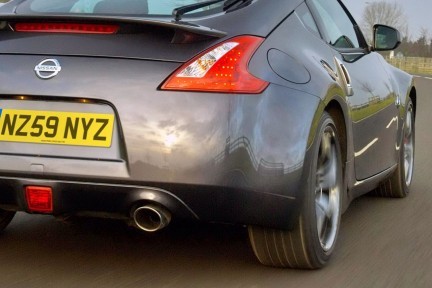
411	18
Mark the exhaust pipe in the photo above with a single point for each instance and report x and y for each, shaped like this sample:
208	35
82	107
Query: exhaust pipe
151	218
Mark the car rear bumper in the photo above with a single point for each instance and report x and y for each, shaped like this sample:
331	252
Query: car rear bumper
118	200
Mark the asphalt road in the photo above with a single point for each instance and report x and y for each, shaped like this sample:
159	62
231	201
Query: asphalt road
383	243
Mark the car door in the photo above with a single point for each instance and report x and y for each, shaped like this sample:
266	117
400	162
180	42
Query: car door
371	98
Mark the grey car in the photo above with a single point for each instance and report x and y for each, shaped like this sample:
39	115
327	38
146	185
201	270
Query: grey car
273	114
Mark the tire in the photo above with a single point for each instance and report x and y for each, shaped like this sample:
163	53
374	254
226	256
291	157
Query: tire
398	185
5	218
310	244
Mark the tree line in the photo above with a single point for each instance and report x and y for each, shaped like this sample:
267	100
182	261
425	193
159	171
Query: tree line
422	47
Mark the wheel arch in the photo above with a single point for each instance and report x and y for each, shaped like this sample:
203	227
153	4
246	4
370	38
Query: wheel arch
338	109
336	112
339	113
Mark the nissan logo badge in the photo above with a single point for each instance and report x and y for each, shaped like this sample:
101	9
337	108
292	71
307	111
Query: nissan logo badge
48	68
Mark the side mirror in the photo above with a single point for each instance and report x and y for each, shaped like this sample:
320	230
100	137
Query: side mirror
385	38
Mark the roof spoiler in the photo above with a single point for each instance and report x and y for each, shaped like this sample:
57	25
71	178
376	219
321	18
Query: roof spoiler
185	32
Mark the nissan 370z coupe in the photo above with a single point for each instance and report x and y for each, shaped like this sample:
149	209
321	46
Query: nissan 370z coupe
274	114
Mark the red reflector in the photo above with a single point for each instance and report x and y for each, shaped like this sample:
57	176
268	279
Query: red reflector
39	199
67	28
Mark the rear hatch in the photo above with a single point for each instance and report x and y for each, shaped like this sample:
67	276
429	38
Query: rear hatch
77	92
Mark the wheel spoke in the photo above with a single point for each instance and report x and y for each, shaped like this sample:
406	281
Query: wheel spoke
333	203
408	153
407	171
324	149
408	126
320	221
322	202
408	162
326	174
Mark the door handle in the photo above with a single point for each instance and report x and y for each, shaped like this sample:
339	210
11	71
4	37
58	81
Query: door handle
329	70
345	77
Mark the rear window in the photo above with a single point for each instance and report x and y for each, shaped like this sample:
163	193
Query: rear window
115	7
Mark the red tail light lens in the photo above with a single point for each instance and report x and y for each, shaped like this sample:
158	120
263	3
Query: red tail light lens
223	68
67	28
39	199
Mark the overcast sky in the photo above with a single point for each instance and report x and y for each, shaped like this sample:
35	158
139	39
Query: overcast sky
418	12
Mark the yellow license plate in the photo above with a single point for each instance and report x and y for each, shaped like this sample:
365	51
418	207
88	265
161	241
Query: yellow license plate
52	127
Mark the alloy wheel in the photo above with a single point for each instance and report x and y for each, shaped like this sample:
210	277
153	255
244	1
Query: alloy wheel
328	190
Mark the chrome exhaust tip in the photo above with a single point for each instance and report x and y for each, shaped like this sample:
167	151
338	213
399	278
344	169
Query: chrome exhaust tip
151	218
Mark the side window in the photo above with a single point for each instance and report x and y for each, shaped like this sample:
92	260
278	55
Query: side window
337	25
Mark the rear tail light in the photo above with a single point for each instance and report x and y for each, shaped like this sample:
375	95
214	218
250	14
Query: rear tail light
67	28
39	199
222	68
